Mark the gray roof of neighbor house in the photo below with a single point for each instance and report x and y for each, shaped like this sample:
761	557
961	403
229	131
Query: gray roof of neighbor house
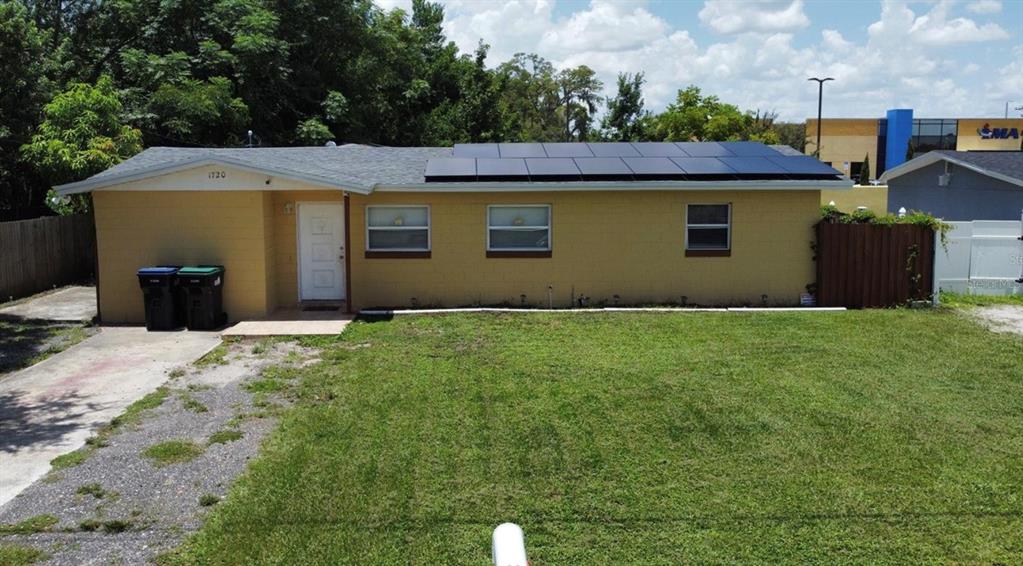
1003	165
601	166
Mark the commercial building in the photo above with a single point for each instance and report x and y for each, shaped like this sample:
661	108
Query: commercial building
898	137
477	224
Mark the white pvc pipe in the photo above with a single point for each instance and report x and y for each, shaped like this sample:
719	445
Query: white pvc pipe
509	546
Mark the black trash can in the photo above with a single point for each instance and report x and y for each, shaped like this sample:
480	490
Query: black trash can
159	297
203	290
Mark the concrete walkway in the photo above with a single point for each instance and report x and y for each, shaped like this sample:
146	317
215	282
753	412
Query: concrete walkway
71	304
50	408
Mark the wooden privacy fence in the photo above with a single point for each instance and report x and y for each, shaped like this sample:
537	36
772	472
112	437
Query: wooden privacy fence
45	252
870	266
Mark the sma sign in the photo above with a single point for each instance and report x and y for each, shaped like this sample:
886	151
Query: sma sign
988	133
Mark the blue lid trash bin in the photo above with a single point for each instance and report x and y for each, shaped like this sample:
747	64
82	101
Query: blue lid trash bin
203	289
163	308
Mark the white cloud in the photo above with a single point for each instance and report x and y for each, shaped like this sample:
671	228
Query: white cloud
739	16
934	28
896	64
985	6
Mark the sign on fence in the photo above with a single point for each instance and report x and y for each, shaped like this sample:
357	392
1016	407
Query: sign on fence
982	257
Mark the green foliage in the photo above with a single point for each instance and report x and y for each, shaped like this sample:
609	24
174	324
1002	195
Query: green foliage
960	300
625	119
224	436
26	72
20	555
864	178
313	132
81	135
208	500
173	452
94	489
36	524
698	117
832	215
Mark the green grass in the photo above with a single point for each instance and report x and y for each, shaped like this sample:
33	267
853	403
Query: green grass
224	436
889	436
93	489
132	415
208	500
215	357
173	452
191	403
27	343
37	524
960	300
20	555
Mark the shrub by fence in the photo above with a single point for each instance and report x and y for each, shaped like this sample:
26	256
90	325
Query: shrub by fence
45	252
870	265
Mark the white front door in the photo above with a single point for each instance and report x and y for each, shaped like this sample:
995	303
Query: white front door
321	251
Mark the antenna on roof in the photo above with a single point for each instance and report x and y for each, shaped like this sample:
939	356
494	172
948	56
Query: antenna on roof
253	139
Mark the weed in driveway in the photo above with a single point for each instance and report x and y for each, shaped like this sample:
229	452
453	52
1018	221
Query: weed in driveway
93	489
192	404
131	415
215	357
20	555
173	452
224	436
37	524
208	500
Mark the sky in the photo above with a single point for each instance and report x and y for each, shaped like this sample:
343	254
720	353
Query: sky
944	59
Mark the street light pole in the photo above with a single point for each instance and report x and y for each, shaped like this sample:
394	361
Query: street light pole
820	100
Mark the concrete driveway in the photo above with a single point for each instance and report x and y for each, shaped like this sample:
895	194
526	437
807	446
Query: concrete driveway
70	304
51	408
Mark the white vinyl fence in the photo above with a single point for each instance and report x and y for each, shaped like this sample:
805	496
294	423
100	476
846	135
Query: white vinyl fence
983	257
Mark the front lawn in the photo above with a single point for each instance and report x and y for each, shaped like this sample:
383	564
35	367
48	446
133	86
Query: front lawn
869	437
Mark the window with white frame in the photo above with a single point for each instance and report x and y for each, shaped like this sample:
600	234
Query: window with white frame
397	228
519	227
708	227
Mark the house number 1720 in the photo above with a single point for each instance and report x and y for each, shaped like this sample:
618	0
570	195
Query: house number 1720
218	175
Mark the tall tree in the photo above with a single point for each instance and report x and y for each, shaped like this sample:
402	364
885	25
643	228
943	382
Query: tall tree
864	178
529	100
579	90
82	133
626	120
25	72
696	117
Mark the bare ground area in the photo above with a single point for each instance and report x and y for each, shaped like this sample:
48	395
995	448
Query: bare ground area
1002	318
142	485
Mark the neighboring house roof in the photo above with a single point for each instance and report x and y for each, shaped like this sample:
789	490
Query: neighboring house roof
1002	165
363	169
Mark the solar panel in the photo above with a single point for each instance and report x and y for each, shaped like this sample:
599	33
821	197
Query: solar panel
476	150
448	169
567	150
513	169
552	169
522	150
753	165
803	165
654	168
613	149
703	166
704	149
603	169
658	149
750	149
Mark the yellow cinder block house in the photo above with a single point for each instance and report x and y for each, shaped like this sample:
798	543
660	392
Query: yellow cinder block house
477	224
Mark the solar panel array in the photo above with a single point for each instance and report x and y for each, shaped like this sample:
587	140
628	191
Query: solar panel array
623	161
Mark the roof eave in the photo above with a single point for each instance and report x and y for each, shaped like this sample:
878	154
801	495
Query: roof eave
497	187
92	184
933	157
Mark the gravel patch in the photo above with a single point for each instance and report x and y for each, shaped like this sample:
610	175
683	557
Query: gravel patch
1004	318
154	507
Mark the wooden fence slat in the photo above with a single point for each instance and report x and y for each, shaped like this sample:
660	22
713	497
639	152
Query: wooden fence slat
864	266
42	253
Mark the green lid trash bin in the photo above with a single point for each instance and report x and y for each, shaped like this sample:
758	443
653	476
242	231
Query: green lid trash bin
203	288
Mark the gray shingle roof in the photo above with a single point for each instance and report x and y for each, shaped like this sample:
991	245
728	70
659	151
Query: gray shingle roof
367	165
1008	163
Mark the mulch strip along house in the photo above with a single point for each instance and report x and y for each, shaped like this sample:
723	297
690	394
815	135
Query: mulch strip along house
478	224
